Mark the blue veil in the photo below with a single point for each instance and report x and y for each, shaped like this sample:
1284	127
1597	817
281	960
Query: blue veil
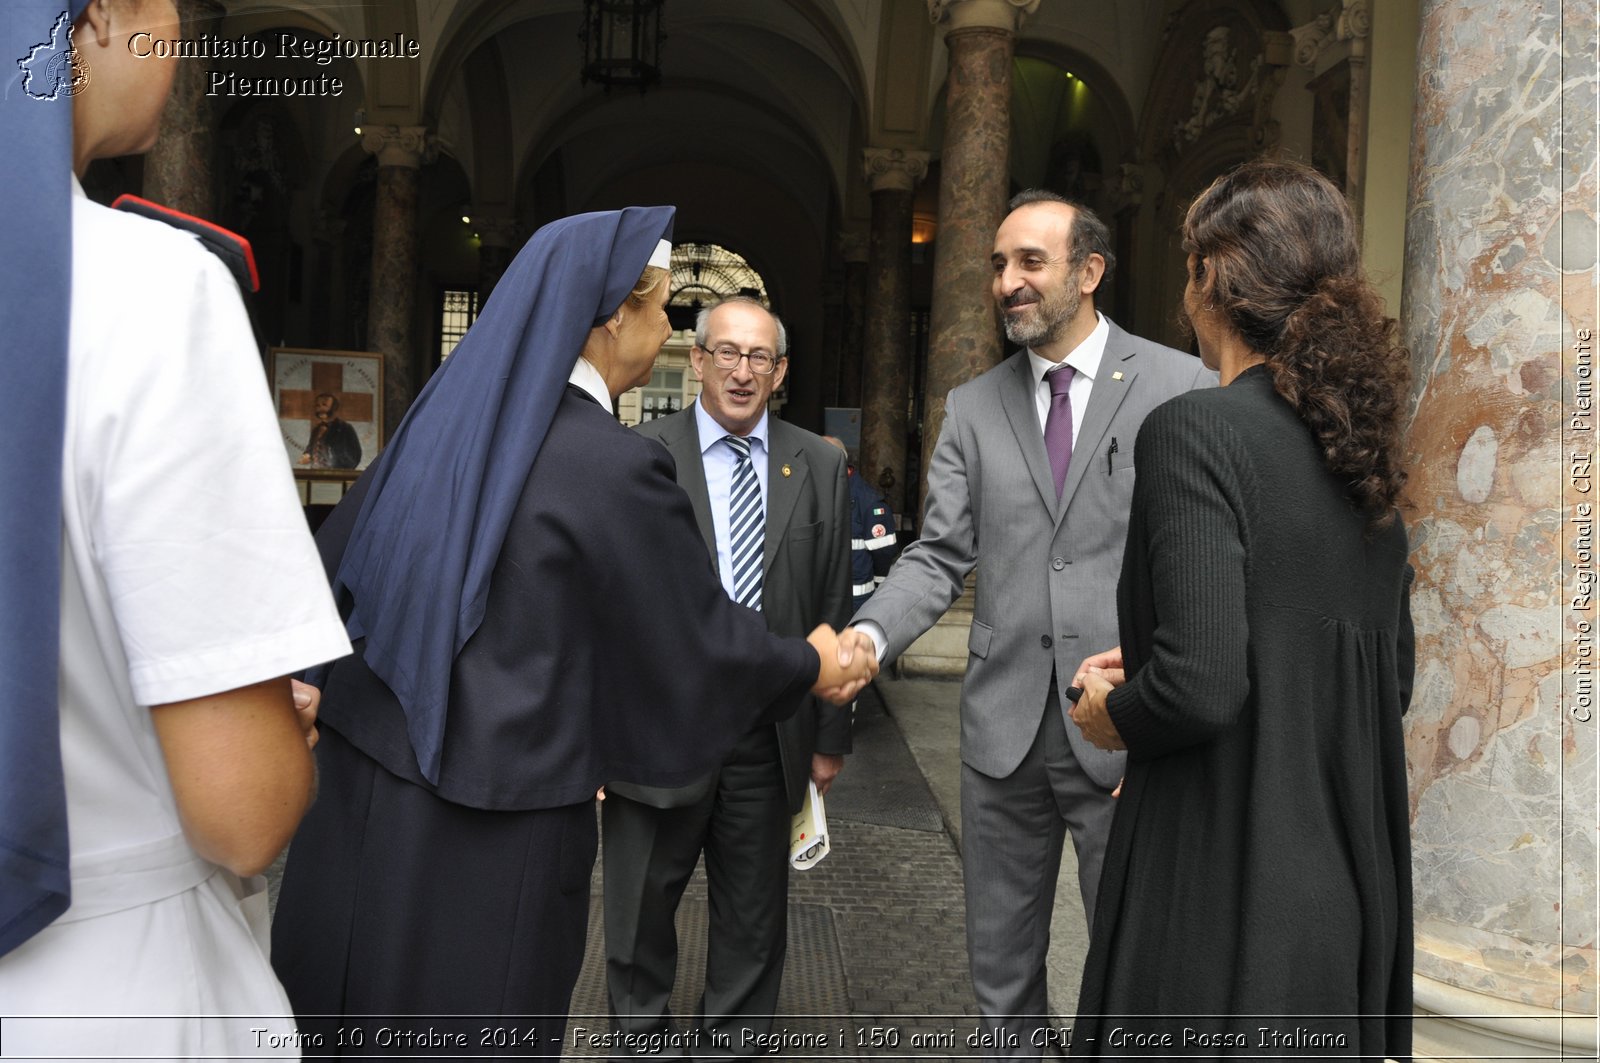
35	294
440	497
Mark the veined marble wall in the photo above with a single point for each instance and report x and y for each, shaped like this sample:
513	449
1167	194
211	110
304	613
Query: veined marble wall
1500	249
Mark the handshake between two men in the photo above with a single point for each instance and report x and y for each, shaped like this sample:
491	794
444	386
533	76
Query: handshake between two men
849	662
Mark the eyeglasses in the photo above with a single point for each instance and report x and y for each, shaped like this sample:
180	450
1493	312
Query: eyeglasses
727	357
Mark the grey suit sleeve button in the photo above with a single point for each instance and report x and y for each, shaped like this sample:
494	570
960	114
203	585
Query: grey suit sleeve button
1044	640
1058	563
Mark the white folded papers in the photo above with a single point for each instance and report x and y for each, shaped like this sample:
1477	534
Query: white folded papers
808	832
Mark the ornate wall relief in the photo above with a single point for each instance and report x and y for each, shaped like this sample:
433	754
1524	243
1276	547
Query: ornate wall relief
1218	70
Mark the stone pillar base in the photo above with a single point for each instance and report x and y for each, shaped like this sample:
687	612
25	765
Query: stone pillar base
1459	1024
941	652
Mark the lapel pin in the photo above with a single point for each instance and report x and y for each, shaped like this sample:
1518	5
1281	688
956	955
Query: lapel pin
1117	375
786	470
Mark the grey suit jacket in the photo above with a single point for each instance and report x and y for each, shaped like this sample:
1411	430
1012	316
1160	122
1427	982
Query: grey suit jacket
805	578
1047	569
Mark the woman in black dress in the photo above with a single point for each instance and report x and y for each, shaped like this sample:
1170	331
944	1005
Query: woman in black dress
1256	898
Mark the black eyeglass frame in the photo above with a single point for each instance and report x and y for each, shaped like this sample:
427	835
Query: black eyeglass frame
747	355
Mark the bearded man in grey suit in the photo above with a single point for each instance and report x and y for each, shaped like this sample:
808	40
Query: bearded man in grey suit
1030	482
774	508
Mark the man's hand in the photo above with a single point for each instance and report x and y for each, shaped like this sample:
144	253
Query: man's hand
1108	661
860	642
1090	712
824	766
306	700
849	663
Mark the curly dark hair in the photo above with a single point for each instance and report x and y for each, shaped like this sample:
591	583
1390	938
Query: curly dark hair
1276	253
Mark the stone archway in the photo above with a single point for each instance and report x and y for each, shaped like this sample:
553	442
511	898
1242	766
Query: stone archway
1071	130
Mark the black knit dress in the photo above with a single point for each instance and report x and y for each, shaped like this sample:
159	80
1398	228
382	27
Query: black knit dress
1256	898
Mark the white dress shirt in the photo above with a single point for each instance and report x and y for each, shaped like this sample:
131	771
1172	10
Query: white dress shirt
718	460
1085	360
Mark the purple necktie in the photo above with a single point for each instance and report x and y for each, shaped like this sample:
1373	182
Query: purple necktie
1058	425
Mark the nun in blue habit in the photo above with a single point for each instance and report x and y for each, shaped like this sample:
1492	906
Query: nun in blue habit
533	616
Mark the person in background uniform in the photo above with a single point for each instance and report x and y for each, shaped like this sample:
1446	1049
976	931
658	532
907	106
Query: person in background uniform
533	617
771	505
152	760
1030	482
1258	875
872	534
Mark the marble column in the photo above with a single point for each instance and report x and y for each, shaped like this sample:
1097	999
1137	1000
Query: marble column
964	337
327	281
1355	183
832	352
852	357
498	243
892	175
401	150
177	169
1499	314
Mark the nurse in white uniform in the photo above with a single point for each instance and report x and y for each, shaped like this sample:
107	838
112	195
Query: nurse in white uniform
190	588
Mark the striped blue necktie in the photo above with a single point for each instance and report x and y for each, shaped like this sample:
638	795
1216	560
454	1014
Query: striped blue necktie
747	525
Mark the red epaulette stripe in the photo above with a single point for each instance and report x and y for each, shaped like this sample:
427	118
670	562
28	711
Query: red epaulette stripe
229	234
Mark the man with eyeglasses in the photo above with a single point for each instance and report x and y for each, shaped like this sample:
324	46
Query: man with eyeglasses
774	507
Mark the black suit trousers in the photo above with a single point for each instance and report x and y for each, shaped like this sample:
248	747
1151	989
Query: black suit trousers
742	824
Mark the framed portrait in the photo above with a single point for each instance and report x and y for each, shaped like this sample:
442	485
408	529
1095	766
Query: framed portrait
330	409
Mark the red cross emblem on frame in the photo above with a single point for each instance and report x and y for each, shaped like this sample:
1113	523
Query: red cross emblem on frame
326	377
